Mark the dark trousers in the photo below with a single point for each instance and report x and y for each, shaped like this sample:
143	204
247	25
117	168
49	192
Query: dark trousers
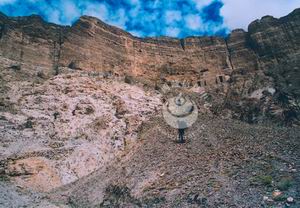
181	135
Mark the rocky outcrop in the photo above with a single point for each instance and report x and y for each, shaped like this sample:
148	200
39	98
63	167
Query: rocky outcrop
92	45
73	100
266	57
59	130
31	41
247	60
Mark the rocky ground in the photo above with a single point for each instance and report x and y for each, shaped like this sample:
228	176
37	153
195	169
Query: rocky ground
224	163
79	139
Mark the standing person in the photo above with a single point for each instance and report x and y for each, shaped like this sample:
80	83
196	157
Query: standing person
181	128
181	135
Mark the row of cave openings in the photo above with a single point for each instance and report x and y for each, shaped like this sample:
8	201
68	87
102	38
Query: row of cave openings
219	80
201	83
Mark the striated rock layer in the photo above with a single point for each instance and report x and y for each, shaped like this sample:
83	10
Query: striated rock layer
92	45
247	60
73	101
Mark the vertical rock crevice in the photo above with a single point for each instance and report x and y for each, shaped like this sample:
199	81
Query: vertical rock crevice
2	24
182	43
2	31
21	48
229	57
57	52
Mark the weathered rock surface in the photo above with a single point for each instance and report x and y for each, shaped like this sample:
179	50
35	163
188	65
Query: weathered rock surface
73	101
91	45
224	163
266	57
57	131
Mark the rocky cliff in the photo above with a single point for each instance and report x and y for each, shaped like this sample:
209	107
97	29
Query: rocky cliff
80	114
92	45
243	62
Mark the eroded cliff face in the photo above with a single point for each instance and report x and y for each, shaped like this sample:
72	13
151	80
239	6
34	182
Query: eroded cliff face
92	45
73	99
265	70
253	76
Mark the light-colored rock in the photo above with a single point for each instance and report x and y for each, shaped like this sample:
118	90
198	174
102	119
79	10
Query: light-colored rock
75	128
276	193
290	200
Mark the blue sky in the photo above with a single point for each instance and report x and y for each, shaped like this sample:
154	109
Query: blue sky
144	18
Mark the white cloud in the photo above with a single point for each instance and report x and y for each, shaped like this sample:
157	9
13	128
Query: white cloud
155	17
172	31
4	2
134	12
239	14
54	16
172	16
119	18
193	22
98	10
70	11
201	3
136	33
